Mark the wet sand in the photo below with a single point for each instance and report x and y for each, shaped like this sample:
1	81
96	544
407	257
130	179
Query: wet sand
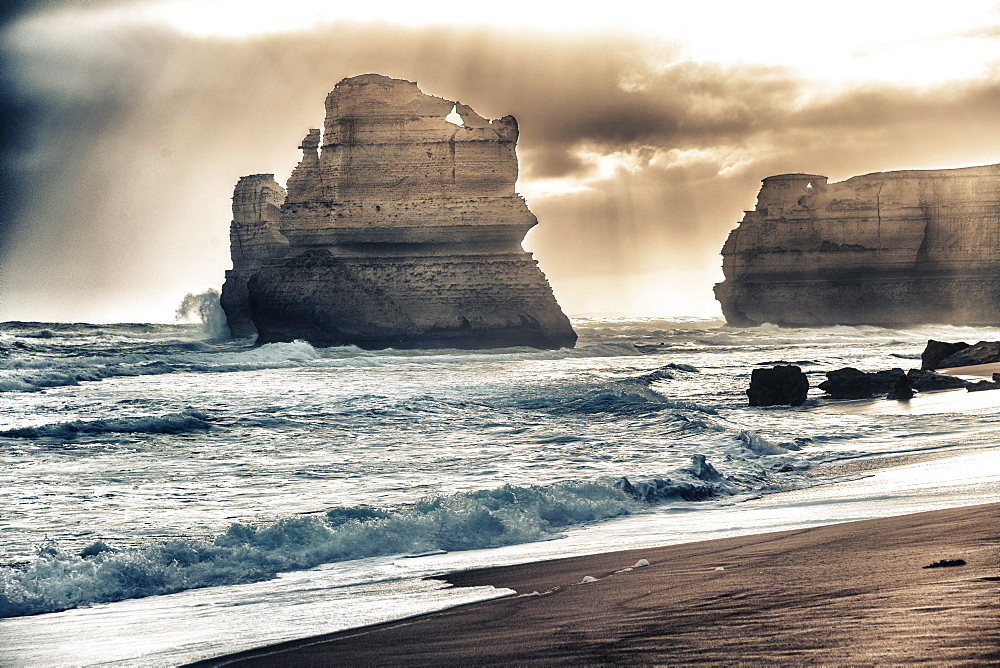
851	593
976	371
924	403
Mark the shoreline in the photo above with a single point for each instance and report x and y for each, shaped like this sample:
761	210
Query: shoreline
925	402
854	592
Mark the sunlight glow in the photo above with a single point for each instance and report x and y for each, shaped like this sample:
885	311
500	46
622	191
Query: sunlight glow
849	42
601	167
533	189
660	137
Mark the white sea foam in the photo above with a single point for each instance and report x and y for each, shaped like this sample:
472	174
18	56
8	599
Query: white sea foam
761	445
31	373
57	580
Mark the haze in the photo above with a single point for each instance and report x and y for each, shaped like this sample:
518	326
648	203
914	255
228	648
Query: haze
645	131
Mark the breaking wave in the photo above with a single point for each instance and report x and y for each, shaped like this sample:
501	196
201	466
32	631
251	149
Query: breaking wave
29	366
171	423
632	396
761	445
34	379
57	580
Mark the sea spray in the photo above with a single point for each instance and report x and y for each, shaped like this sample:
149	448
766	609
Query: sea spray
206	307
699	481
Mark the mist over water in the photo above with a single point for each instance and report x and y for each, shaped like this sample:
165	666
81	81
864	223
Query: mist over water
207	309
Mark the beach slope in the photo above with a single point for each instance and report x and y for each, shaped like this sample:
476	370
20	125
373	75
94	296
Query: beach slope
851	593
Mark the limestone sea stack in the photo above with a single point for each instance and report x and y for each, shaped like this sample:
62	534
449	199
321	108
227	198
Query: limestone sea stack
890	249
400	228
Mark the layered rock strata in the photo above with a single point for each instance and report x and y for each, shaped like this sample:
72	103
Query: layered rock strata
400	228
890	248
254	238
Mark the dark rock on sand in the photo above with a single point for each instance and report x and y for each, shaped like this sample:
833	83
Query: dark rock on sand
984	384
945	563
937	351
984	352
927	381
780	385
902	390
850	383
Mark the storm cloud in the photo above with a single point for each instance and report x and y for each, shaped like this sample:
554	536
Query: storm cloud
637	161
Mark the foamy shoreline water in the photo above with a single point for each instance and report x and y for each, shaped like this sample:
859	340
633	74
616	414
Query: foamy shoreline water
325	456
837	594
209	622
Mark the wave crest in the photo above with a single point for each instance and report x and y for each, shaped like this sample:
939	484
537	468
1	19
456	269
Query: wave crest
171	423
507	515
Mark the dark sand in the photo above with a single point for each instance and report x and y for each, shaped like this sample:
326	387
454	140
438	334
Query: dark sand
853	593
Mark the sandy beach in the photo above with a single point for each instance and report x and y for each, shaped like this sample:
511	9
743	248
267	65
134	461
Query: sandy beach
851	593
975	371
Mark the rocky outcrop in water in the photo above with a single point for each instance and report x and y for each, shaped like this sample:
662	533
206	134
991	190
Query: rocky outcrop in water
922	380
890	248
850	383
779	385
902	391
400	228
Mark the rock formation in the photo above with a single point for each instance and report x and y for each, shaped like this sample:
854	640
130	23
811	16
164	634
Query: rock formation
400	228
923	380
253	239
936	351
890	248
780	385
850	383
983	352
902	390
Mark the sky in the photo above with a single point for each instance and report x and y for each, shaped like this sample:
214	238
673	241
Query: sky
645	127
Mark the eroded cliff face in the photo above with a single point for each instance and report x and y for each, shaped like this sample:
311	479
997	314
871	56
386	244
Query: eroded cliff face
399	229
254	238
890	248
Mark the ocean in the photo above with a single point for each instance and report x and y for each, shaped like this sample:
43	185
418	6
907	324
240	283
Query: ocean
166	496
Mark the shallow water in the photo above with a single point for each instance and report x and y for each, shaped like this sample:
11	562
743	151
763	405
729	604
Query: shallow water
211	480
